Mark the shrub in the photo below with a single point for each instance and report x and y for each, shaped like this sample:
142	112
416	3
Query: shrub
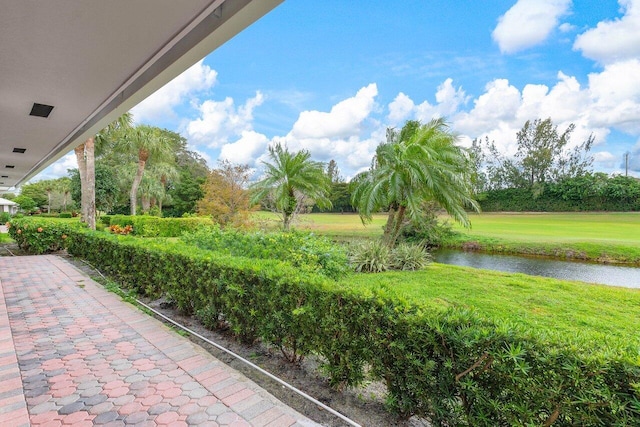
40	235
66	215
407	256
150	226
303	250
106	220
371	257
449	364
116	229
375	257
4	217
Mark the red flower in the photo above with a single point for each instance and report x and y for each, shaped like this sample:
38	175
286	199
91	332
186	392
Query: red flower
39	229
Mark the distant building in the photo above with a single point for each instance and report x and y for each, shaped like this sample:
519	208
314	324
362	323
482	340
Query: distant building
8	206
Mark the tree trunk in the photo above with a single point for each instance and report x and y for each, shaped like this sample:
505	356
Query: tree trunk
48	201
133	195
286	221
146	204
82	171
397	226
388	228
89	150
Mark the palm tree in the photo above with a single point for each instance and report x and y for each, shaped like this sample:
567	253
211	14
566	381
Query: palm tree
420	163
288	179
146	142
85	157
153	187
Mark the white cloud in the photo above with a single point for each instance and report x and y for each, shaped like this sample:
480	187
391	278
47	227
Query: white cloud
528	23
400	109
615	95
448	101
246	150
615	40
343	120
605	159
160	104
220	121
566	27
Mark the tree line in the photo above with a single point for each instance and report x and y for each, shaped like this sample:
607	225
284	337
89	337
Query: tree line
418	170
547	174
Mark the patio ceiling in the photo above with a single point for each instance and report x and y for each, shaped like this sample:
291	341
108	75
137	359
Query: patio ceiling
92	61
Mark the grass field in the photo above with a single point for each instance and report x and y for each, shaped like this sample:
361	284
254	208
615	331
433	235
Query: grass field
537	303
614	227
602	237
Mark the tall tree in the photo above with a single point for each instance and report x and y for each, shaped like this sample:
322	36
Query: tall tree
288	179
147	143
226	196
418	164
85	157
106	187
542	157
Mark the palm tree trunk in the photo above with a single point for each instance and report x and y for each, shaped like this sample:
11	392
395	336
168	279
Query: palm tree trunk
388	228
398	226
133	195
286	221
82	171
91	182
146	204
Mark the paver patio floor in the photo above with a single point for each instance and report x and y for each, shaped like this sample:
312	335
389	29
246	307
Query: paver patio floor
72	353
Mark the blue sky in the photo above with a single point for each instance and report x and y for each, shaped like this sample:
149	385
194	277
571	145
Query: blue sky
331	76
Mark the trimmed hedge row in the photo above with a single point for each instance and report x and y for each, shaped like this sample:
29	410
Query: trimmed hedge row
450	365
153	226
41	235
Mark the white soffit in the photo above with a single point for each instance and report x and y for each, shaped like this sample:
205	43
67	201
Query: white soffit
94	60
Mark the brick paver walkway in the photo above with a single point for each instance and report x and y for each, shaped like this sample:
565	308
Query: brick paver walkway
73	354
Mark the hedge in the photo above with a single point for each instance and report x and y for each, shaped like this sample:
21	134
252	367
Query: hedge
152	226
449	365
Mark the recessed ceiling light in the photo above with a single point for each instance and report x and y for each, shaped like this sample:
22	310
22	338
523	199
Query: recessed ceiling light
19	150
41	110
9	166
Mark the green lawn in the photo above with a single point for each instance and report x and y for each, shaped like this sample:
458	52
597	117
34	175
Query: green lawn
537	303
613	227
603	237
333	225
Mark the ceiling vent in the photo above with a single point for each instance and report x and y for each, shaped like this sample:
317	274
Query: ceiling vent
19	150
4	176
41	110
9	166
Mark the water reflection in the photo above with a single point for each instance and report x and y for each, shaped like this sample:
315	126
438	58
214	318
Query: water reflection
628	277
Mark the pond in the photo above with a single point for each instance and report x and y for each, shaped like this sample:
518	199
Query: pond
612	275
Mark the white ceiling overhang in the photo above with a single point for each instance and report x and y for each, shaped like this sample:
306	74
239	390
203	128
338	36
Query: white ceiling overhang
92	61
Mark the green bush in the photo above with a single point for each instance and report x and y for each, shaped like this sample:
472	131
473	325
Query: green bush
4	217
40	235
151	226
449	364
66	215
372	256
303	250
375	257
407	256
